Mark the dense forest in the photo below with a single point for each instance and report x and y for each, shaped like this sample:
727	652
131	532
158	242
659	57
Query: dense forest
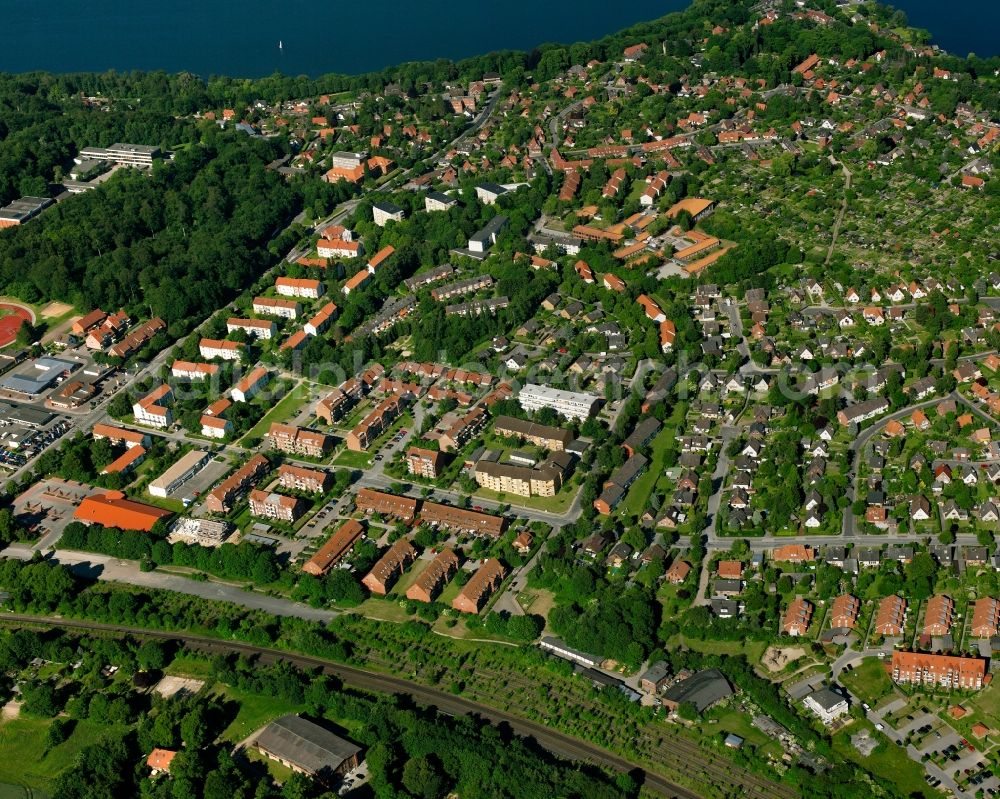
176	244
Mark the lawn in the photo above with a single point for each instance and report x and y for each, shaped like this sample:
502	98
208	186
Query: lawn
888	762
558	504
635	501
286	408
738	723
868	681
353	460
22	742
753	650
255	711
185	665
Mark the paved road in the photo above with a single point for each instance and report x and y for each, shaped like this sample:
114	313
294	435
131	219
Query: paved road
555	742
102	567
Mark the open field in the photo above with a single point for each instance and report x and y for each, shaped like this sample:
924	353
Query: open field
22	743
868	681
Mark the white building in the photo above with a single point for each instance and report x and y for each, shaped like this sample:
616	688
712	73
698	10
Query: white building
178	474
571	404
827	705
383	212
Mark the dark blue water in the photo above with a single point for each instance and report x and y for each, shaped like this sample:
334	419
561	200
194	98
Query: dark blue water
240	37
959	26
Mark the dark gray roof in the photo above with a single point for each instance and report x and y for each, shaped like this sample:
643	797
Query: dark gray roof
702	689
300	742
826	698
657	672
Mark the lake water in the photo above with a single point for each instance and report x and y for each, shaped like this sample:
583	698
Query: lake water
240	37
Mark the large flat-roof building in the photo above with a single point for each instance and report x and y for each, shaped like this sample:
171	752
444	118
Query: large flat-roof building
23	210
40	377
140	155
571	404
178	474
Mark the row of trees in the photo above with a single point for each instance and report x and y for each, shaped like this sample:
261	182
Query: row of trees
243	561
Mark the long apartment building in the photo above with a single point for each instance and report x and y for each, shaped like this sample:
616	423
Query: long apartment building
221	349
299	287
121	435
224	496
544	480
299	478
405	509
190	370
250	385
370	501
321	321
477	592
298	440
571	404
375	423
618	484
432	580
137	339
335	548
462	287
256	328
272	505
335	405
462	521
464	430
285	309
944	671
390	567
541	435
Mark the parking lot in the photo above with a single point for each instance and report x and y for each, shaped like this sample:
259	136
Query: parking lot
48	507
20	441
202	481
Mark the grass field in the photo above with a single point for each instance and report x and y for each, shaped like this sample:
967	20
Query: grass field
888	762
638	494
190	666
558	504
353	460
255	711
868	681
22	742
753	650
286	408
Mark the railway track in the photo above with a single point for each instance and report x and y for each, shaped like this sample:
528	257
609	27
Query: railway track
687	755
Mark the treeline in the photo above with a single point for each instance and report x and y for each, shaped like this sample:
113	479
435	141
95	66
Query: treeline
243	561
176	243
